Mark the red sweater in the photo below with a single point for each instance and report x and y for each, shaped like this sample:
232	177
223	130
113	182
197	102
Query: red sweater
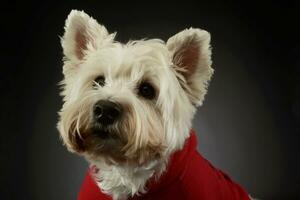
188	176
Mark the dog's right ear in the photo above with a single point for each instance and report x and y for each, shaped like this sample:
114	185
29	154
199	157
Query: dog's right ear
82	34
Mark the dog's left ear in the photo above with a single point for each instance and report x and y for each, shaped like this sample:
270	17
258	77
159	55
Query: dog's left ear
191	58
83	34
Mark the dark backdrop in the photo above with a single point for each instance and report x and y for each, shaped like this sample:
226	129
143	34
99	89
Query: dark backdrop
248	125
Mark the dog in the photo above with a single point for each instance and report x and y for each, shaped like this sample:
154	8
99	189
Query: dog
128	110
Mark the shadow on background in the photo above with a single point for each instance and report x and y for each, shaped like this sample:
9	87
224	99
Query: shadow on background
248	125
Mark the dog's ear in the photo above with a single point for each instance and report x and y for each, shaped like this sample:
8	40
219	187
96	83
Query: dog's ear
191	58
82	34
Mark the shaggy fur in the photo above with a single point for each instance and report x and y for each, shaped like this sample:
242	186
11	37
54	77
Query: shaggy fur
149	131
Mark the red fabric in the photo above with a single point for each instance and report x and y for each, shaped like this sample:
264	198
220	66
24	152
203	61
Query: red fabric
188	176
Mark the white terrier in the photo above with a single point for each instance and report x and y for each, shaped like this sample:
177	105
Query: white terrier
128	108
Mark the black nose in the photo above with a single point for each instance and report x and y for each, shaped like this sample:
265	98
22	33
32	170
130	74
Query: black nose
106	112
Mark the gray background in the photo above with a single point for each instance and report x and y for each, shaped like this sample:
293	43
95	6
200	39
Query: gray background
248	125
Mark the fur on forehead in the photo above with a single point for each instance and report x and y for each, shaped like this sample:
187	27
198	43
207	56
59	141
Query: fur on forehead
123	59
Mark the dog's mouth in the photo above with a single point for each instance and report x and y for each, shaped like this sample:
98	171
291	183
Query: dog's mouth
102	133
107	144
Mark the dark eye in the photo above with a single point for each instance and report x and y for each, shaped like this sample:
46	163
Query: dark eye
100	80
146	90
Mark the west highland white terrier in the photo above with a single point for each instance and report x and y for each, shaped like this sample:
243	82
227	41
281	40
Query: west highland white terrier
128	110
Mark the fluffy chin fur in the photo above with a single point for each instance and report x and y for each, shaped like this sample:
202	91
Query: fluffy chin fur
149	131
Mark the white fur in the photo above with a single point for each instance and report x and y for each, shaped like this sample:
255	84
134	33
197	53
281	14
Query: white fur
125	180
166	122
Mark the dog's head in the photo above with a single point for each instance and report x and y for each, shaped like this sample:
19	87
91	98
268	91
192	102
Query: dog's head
130	102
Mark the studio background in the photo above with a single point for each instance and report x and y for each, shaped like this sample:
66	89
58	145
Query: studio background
248	125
